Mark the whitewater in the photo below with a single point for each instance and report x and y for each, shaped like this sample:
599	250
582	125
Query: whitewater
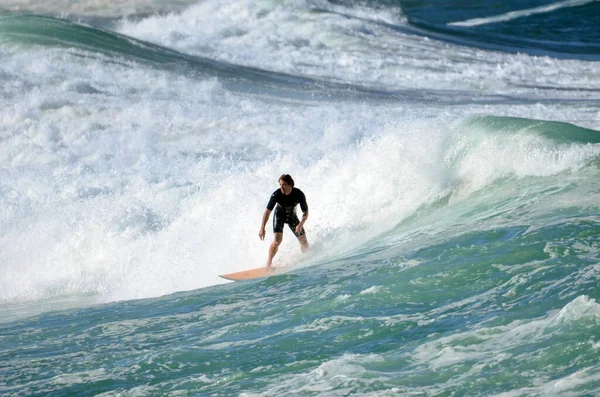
450	157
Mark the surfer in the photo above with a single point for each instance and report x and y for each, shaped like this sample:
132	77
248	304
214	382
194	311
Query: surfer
287	197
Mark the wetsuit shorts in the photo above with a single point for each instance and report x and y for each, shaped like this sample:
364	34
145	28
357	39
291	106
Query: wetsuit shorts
287	215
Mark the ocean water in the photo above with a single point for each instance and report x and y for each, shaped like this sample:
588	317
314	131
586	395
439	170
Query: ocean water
449	151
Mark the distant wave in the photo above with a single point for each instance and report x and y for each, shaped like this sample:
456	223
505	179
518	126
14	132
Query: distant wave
49	31
467	36
565	29
522	13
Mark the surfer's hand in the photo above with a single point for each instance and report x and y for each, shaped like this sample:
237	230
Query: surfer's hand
299	228
261	233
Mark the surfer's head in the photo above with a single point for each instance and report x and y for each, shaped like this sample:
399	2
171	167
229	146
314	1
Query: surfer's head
286	183
287	179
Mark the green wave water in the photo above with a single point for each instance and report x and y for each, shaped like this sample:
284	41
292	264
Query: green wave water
481	314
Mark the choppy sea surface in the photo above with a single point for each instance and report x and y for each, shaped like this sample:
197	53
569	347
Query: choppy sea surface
449	152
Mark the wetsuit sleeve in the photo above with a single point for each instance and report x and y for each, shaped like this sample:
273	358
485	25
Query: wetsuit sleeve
303	205
272	201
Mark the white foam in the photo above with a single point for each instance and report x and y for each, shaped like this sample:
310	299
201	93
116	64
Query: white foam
94	8
338	375
565	386
581	308
372	290
489	345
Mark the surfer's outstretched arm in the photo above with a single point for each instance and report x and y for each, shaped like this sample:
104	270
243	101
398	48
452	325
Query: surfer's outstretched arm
265	218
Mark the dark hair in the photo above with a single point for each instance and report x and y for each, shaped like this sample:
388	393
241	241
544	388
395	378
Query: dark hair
287	179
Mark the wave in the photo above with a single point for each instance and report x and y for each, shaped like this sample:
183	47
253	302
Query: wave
561	30
557	131
365	59
489	173
55	32
507	43
407	189
509	16
564	29
374	46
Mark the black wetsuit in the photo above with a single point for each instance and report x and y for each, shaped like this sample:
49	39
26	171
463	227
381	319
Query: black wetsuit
286	209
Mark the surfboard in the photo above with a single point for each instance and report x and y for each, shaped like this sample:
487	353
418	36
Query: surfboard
250	274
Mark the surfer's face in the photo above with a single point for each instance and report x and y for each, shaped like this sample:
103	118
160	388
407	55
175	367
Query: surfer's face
285	188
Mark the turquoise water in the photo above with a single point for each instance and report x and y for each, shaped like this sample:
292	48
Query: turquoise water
450	156
508	310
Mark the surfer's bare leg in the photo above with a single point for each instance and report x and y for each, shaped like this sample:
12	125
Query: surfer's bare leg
278	237
303	243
